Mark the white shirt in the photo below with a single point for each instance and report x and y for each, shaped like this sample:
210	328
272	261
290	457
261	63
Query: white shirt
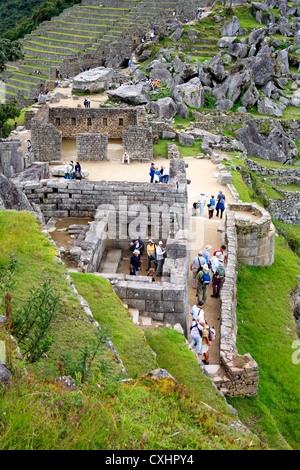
202	199
198	313
160	252
214	263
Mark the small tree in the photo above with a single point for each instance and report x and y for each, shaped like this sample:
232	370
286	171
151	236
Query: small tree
9	51
7	111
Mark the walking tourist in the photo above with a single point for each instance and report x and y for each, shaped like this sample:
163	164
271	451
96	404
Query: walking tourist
202	202
151	173
205	343
203	278
218	279
206	255
196	265
211	207
197	311
220	204
78	174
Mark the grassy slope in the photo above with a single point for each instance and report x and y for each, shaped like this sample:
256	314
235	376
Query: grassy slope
37	414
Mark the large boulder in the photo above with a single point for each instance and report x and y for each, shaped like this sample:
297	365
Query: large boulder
186	140
283	61
164	108
232	86
12	197
190	93
269	107
93	80
231	28
266	139
216	67
131	94
238	50
263	68
250	97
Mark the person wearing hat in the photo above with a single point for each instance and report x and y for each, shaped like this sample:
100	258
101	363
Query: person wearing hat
160	252
202	202
206	254
137	244
197	264
218	279
135	263
203	278
215	261
151	254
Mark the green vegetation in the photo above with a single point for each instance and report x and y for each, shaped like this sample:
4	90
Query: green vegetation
8	113
9	51
268	334
160	149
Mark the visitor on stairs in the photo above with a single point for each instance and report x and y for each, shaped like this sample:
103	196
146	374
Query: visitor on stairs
203	278
220	204
218	279
197	264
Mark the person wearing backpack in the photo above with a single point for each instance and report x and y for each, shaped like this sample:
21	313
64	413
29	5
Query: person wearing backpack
205	343
203	278
218	279
196	266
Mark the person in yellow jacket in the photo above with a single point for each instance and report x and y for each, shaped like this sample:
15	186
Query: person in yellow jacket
151	253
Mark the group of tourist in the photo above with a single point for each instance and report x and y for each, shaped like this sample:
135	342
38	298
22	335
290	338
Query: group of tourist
158	175
72	171
155	254
87	102
206	270
213	204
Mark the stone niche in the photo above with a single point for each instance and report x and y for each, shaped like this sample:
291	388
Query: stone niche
138	142
92	146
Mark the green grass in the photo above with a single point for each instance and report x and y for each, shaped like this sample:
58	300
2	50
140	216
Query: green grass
21	234
160	149
268	334
270	163
108	310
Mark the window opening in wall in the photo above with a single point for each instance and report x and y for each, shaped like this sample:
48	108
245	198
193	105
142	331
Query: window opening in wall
120	121
89	121
104	121
73	120
57	120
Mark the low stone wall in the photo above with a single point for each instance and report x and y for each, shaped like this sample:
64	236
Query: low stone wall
92	146
256	239
242	371
12	159
264	171
286	210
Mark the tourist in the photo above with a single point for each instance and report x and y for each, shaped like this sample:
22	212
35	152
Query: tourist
211	207
198	312
206	255
152	36
135	263
166	174
220	204
151	254
28	145
78	174
215	261
129	63
203	279
71	163
156	175
205	343
161	172
160	252
120	81
218	279
85	103
133	59
137	245
151	172
223	253
88	102
68	169
202	202
196	14
197	263
196	337
126	158
186	19
151	274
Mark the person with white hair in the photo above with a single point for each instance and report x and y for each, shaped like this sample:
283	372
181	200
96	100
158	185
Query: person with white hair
160	252
196	265
206	254
202	202
215	261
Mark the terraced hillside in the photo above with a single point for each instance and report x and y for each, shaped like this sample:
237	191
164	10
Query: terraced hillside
76	32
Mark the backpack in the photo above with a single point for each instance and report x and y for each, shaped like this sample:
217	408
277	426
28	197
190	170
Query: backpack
205	278
220	274
211	333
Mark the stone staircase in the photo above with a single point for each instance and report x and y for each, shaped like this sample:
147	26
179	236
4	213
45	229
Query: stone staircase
111	262
78	30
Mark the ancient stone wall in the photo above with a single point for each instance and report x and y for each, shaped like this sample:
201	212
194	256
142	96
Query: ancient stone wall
241	371
264	171
71	121
92	146
138	143
46	140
